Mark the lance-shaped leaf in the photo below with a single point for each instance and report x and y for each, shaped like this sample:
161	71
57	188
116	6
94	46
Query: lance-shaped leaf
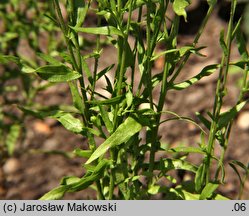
56	193
235	163
65	118
77	99
223	43
72	124
73	184
123	133
168	164
199	177
88	179
206	71
104	114
57	73
104	30
208	191
81	9
186	150
111	101
242	45
69	122
164	53
226	117
82	153
104	71
48	59
203	120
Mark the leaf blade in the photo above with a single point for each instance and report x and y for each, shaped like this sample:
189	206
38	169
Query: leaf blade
104	30
57	73
208	191
123	133
206	71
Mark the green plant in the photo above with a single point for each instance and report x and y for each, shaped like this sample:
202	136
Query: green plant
19	43
119	119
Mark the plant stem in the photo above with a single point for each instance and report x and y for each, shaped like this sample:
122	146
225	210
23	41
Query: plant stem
120	76
96	62
220	91
135	50
76	66
197	37
228	129
154	130
149	53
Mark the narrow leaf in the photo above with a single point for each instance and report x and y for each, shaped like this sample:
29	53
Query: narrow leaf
242	45
104	71
208	191
109	85
55	194
48	59
123	133
111	101
187	150
82	9
104	30
68	121
223	43
163	53
203	120
241	165
73	184
89	179
226	117
168	164
105	117
206	71
237	172
129	98
69	180
87	70
199	177
77	99
82	153
57	73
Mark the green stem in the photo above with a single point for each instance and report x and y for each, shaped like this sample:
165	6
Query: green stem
96	63
228	129
220	91
65	33
77	65
120	76
197	37
149	53
154	130
135	50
